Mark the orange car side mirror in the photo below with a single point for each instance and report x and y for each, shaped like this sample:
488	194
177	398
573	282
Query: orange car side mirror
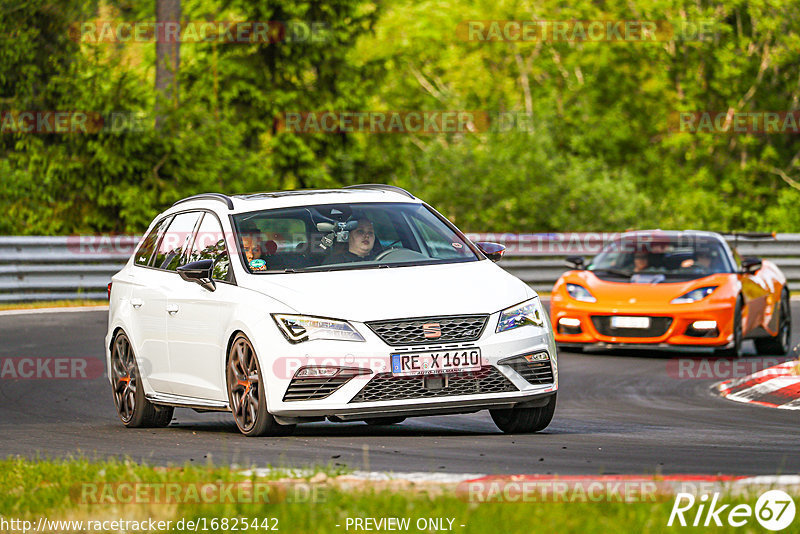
751	265
576	262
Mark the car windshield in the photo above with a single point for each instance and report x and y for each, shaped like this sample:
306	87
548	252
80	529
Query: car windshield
347	236
672	256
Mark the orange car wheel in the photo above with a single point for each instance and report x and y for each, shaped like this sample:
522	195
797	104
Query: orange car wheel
781	343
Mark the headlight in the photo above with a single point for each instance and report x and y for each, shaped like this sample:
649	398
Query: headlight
694	295
298	328
580	293
529	312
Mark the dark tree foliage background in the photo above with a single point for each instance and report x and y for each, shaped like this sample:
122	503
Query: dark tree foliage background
598	156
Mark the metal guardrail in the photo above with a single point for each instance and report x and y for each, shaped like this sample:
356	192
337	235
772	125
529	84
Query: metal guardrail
80	267
55	268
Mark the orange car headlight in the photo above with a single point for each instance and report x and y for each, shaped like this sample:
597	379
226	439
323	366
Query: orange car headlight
580	293
694	295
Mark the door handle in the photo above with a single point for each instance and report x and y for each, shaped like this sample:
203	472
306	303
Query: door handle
137	302
172	309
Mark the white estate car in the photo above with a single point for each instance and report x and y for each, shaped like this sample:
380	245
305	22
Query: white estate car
354	304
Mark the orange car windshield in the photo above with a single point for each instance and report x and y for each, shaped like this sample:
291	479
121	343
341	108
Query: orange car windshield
679	256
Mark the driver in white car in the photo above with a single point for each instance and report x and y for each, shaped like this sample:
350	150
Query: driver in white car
360	245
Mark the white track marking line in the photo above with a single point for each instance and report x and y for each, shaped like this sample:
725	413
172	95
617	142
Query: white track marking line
417	476
794	405
750	394
372	476
54	310
787	481
778	480
780	370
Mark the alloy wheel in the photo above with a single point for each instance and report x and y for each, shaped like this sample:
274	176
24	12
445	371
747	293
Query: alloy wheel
243	383
123	370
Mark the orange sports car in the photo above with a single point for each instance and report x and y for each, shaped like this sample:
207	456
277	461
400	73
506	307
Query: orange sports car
674	290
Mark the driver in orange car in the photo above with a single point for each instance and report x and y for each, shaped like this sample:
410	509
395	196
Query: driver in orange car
641	261
701	260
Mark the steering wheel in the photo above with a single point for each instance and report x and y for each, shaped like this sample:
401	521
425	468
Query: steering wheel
385	253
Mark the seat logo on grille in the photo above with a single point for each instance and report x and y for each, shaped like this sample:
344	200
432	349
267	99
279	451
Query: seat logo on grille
432	330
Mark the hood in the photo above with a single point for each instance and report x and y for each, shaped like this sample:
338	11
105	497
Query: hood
626	293
396	293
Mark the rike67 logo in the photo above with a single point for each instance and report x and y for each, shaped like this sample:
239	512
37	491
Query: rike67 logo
774	510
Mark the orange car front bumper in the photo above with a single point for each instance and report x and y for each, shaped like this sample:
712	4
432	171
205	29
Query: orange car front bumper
672	326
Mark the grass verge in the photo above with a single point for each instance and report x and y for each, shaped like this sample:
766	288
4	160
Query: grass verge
322	501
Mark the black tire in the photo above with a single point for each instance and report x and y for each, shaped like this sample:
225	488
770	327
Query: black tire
246	392
380	421
781	343
133	409
524	420
736	350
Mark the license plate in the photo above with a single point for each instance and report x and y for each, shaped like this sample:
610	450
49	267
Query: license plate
436	362
630	322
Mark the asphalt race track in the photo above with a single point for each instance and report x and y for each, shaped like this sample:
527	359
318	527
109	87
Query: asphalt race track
617	413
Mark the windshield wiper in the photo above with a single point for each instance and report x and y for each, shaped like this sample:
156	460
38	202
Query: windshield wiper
352	266
618	272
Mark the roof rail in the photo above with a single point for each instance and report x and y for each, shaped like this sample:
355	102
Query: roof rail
208	196
381	187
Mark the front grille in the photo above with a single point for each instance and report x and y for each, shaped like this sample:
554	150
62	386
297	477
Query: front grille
453	329
387	387
536	372
303	389
658	327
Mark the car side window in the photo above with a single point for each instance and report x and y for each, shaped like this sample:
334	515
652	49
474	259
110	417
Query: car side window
440	246
148	246
175	241
287	234
209	244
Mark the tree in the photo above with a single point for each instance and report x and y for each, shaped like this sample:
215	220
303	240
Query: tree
168	56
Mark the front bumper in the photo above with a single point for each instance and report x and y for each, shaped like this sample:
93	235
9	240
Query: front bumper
466	404
374	357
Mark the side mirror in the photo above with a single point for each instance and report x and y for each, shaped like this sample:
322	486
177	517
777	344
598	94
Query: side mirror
576	262
751	265
199	272
493	251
